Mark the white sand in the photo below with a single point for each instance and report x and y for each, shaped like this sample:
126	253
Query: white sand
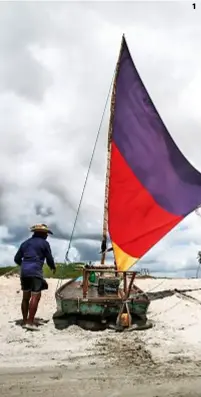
177	331
46	347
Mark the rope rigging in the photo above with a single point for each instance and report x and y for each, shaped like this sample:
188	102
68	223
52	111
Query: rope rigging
66	259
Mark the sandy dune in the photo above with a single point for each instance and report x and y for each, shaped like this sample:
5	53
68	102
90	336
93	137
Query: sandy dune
105	363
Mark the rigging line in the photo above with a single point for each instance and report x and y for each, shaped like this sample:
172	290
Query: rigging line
86	179
139	294
167	310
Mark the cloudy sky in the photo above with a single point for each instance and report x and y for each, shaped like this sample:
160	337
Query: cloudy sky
56	66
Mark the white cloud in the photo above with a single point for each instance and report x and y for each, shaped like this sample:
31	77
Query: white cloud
57	62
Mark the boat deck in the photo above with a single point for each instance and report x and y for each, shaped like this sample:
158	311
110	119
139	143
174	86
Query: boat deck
73	290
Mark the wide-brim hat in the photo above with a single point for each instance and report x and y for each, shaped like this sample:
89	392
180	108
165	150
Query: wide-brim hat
42	228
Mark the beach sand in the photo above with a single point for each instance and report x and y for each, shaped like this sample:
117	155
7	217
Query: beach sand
162	361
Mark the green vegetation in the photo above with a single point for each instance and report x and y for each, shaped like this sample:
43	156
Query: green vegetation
4	270
63	271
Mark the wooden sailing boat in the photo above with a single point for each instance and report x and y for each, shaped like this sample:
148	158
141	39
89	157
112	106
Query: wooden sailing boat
150	188
102	300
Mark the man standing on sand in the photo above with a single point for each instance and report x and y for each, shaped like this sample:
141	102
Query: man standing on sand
30	257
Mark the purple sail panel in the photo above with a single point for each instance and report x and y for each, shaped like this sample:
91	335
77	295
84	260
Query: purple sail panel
147	147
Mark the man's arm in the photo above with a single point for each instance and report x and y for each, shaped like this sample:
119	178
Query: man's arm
18	256
49	258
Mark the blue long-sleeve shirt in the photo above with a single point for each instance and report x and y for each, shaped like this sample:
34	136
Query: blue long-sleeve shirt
31	256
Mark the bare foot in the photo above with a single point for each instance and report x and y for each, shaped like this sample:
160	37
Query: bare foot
24	323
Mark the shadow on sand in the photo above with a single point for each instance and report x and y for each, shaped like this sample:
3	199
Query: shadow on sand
38	321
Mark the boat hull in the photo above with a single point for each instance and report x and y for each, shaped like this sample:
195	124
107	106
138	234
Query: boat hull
70	301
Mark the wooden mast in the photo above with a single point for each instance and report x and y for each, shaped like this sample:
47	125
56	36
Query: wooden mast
107	179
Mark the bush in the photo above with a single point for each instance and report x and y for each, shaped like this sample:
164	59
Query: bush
64	271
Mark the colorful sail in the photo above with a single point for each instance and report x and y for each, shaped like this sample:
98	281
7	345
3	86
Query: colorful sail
152	186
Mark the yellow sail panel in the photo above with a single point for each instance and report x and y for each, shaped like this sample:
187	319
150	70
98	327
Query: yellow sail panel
123	260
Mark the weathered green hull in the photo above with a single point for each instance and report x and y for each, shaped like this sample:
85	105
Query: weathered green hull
71	306
96	306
